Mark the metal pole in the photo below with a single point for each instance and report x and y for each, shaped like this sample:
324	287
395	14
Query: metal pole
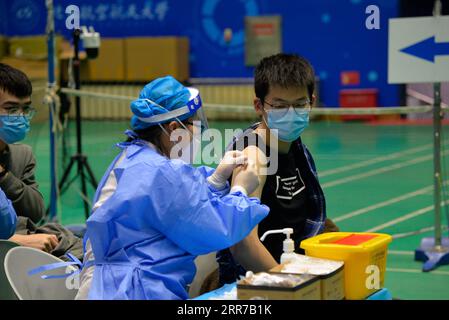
76	72
437	116
81	159
51	103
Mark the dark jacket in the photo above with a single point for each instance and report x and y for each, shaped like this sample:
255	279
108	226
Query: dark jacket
21	188
19	183
68	242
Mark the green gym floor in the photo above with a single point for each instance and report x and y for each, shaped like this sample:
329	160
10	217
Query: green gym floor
376	178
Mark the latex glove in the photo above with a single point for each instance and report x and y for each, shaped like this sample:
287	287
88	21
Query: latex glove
230	161
247	179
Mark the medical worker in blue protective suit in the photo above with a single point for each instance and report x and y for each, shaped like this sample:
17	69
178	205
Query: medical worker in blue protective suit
153	213
8	217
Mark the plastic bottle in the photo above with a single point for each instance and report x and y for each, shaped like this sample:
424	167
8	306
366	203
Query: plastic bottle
288	246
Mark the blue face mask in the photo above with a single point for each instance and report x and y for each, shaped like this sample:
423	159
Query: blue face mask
290	124
13	129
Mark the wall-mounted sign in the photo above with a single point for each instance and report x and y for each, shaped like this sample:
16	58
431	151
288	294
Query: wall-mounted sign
263	37
418	50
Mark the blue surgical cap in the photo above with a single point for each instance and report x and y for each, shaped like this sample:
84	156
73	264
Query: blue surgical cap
167	92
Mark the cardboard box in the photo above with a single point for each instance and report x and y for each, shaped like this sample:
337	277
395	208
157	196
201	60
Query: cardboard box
330	273
308	288
31	47
3	47
150	58
35	70
332	284
110	63
108	66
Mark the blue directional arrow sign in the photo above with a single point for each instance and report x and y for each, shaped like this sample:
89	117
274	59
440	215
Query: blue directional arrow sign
418	50
427	49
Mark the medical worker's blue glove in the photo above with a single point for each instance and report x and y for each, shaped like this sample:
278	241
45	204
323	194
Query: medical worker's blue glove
230	161
8	217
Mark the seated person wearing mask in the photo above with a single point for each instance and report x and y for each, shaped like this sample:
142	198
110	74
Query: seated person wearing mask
154	212
17	181
284	86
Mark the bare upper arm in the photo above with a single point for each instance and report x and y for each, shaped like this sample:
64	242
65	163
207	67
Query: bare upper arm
256	156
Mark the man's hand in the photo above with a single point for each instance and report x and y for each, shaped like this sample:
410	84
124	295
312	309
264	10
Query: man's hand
330	226
44	242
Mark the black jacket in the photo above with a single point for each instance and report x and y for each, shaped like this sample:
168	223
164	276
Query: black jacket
19	183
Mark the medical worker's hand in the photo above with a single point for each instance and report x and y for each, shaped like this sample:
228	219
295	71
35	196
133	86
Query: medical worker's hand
230	161
40	241
247	178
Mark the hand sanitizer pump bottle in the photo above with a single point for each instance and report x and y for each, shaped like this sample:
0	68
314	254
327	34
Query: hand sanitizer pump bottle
288	245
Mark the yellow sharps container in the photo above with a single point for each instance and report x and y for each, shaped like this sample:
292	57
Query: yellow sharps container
364	254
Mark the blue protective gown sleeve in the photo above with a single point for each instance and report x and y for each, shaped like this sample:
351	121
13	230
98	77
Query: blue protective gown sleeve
8	217
181	205
206	172
198	219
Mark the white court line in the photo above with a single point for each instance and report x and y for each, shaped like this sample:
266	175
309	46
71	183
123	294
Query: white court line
380	170
344	157
382	204
373	161
402	270
406	217
385	203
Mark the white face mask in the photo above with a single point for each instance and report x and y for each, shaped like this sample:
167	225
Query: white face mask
187	144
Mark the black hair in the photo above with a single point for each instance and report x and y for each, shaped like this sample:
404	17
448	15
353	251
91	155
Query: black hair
284	70
14	82
152	134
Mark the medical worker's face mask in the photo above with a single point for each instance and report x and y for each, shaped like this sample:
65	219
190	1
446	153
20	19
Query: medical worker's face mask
289	120
187	143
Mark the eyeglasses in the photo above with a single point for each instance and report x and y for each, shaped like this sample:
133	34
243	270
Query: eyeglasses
304	105
14	112
283	108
